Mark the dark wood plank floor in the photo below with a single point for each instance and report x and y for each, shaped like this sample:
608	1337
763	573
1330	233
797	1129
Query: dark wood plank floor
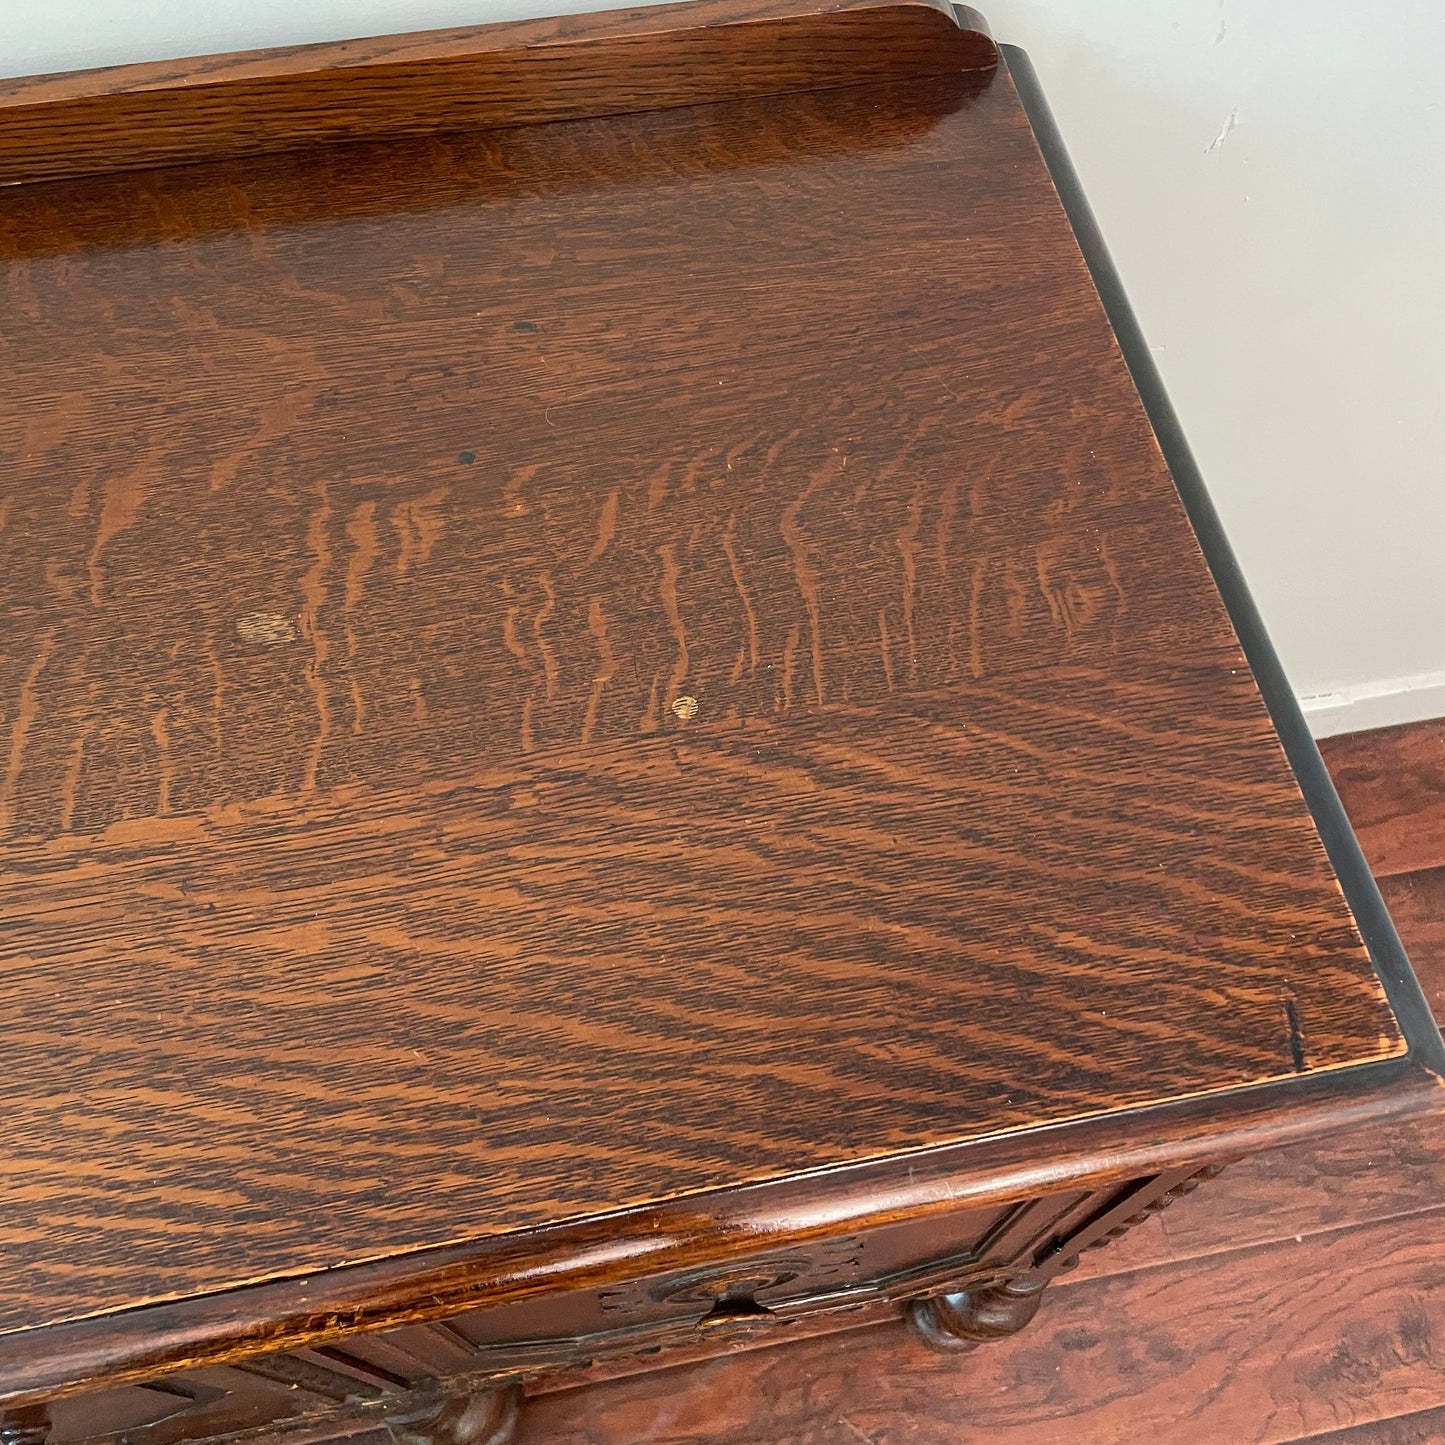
1301	1298
1392	783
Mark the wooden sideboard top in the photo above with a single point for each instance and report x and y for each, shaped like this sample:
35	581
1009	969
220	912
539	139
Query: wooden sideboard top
559	668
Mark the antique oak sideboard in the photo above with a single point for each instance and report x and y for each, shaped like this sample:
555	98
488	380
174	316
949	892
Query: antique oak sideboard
624	728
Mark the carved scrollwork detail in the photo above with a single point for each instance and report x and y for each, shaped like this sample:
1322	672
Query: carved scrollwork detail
706	1288
1144	1213
992	1307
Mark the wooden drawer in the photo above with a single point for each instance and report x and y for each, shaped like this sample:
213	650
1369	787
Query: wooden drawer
719	1301
389	1376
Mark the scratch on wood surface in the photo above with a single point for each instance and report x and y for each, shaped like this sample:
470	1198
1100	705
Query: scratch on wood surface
652	717
1296	1034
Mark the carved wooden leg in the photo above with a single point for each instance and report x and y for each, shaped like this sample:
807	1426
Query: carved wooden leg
24	1425
972	1317
488	1417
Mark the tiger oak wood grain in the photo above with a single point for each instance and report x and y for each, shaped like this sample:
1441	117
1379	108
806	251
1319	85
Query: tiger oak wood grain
561	68
1388	1176
584	668
1393	1173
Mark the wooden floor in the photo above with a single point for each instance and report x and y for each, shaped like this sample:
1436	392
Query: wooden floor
1299	1298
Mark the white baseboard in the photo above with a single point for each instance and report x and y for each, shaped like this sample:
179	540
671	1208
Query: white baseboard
1375	704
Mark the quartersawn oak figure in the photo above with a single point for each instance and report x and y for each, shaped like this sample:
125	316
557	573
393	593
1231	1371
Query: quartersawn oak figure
613	734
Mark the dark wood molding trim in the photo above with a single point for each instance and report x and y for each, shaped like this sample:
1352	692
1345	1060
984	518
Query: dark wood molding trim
650	58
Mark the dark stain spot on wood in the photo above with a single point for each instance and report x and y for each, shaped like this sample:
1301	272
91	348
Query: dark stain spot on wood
1162	1348
1415	1334
466	458
524	326
1296	1035
1345	1365
1077	1339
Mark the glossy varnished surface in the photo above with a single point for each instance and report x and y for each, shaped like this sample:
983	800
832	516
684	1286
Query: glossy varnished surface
558	668
519	73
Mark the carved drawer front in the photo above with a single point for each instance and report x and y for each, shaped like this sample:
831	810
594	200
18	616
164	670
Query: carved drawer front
383	1375
354	1379
750	1294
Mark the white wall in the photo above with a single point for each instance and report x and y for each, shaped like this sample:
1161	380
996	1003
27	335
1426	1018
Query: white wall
1270	175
